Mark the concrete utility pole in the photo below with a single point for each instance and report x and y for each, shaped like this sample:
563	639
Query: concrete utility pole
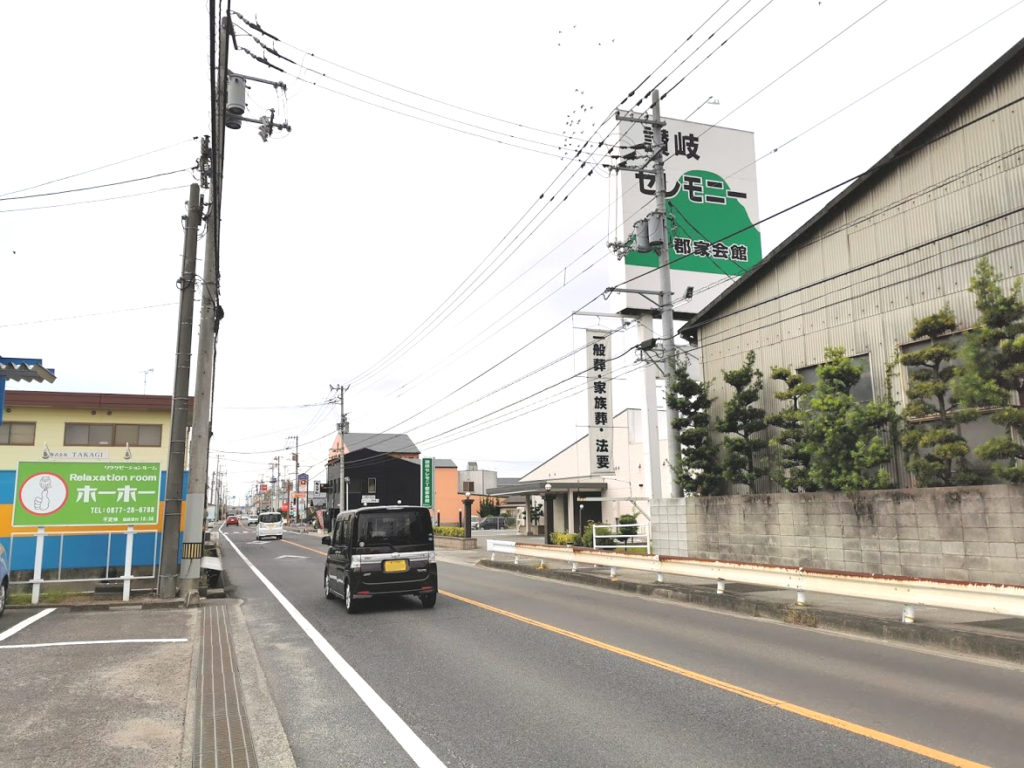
166	580
668	333
342	427
295	487
199	455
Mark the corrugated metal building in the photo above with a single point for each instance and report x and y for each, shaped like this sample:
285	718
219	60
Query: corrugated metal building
899	243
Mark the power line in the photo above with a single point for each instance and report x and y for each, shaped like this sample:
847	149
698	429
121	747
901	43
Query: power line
98	168
95	186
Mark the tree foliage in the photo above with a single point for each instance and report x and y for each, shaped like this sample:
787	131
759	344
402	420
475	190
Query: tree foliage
697	468
936	451
792	459
844	438
743	425
993	375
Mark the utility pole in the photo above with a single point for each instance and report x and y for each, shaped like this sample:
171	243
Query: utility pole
342	427
653	230
199	455
166	580
295	488
668	332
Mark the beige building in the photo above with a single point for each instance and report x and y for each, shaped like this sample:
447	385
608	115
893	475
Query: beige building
898	244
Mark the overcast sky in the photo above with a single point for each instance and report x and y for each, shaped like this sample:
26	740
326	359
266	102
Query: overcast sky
396	240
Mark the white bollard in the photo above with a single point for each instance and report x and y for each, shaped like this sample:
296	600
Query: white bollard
908	614
801	598
126	592
721	587
37	573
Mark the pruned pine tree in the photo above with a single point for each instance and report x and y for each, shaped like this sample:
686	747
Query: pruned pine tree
935	450
843	437
743	426
791	458
993	370
696	468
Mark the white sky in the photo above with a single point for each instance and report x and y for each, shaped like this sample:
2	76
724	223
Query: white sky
346	238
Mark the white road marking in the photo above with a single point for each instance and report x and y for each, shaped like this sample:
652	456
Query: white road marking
22	624
99	642
296	557
402	733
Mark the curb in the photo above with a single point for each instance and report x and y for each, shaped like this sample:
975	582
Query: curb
944	638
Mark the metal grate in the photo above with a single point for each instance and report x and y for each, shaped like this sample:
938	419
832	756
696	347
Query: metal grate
222	735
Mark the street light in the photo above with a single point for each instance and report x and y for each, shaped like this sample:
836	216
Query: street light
467	516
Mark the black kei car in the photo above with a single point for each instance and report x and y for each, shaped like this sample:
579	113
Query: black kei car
381	551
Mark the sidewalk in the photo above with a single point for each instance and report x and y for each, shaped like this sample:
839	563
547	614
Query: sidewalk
980	634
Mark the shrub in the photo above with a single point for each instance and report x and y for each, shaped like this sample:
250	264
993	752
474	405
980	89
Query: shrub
628	527
449	530
568	539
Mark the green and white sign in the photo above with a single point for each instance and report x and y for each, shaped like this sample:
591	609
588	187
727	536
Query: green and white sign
427	482
711	211
86	493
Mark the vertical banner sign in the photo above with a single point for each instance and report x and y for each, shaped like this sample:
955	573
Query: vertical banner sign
427	483
599	405
80	493
710	212
303	484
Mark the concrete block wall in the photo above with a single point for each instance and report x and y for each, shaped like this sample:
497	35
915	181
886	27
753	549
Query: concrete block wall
968	533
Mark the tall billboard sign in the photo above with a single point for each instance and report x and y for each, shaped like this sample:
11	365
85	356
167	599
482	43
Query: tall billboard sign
80	493
711	207
427	482
599	406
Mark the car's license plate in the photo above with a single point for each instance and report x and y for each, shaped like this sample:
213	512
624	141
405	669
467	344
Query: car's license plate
396	566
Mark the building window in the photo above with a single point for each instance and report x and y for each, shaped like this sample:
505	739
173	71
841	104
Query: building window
18	433
862	391
371	486
144	435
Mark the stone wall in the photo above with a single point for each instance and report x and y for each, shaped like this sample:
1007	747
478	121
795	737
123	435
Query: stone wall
969	533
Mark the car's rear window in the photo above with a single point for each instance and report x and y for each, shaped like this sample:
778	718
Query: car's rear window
270	517
395	528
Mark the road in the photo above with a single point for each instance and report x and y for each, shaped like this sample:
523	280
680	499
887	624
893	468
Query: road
509	670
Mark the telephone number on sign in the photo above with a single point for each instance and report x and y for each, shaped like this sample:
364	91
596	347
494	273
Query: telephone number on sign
122	510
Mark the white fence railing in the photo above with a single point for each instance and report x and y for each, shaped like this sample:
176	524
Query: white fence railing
41	535
1006	600
636	534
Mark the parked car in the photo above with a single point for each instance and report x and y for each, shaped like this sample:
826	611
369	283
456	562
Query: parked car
231	520
270	524
5	579
475	521
494	522
381	551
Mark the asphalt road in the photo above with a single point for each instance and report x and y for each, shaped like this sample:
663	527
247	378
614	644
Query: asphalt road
509	670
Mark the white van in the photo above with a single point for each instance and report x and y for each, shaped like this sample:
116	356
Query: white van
269	524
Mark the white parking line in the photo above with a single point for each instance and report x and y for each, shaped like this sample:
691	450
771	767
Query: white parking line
402	733
99	642
22	624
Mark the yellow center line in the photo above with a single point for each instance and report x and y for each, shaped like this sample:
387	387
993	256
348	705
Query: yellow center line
810	714
303	546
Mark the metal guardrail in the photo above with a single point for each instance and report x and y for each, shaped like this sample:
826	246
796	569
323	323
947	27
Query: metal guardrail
1005	600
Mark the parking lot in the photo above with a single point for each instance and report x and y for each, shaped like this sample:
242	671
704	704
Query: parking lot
96	687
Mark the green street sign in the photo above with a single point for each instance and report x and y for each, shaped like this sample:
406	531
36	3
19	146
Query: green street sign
86	493
427	482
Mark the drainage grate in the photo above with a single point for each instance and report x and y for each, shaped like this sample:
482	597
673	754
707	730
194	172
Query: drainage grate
222	736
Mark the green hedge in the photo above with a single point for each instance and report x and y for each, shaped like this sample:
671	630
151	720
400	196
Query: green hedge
449	530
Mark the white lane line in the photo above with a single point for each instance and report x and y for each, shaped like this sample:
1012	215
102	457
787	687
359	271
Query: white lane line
402	733
98	642
22	624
